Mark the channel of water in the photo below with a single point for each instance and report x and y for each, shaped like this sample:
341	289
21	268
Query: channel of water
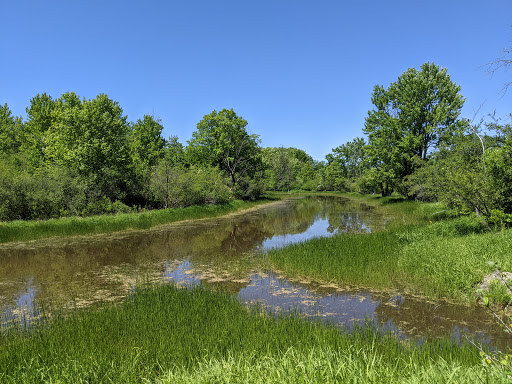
81	271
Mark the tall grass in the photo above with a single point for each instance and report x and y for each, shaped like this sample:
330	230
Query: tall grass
365	260
69	226
167	334
324	365
428	250
444	265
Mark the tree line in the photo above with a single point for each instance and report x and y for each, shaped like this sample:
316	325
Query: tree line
73	156
419	146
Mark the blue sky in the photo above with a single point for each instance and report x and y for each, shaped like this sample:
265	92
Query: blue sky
300	72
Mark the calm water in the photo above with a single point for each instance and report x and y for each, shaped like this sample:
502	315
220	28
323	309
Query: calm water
81	271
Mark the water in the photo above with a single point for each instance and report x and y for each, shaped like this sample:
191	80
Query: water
80	271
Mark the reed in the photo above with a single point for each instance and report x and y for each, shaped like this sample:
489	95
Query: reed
171	334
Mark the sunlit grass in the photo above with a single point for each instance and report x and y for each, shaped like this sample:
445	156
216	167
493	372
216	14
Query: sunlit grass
324	365
366	260
428	250
70	226
167	334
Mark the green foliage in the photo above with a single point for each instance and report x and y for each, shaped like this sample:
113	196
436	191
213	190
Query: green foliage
457	176
334	178
174	154
146	149
349	158
221	140
146	144
82	157
91	137
47	193
182	187
40	117
412	117
498	165
11	131
472	174
498	294
167	334
289	169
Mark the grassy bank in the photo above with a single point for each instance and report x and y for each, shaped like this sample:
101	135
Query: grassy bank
166	335
426	251
72	226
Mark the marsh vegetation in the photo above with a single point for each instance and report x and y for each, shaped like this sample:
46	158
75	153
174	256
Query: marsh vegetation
117	330
319	288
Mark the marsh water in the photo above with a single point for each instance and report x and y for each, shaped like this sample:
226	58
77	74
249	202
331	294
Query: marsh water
80	271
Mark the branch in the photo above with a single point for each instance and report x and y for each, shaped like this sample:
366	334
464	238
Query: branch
504	62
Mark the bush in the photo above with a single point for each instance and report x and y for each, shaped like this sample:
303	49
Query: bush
47	193
182	187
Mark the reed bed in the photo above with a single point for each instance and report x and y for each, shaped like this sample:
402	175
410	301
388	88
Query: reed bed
70	226
168	334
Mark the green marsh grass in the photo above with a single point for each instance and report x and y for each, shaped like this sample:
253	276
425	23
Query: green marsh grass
71	226
168	334
427	250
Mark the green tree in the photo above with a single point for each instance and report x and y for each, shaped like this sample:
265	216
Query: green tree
498	165
40	117
146	150
91	137
221	139
472	174
146	142
344	165
278	173
11	131
413	117
165	172
289	168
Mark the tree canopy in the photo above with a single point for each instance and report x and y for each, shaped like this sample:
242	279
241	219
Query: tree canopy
221	139
411	118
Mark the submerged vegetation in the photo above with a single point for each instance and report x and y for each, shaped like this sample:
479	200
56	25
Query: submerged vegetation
168	334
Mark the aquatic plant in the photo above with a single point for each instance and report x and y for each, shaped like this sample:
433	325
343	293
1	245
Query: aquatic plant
170	334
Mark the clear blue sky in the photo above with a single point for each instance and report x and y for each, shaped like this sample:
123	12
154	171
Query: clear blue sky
300	72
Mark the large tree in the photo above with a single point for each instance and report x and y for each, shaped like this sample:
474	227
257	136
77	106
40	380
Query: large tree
91	137
348	157
40	117
411	118
221	139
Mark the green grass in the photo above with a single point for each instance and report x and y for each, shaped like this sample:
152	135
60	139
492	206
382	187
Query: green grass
166	334
323	365
451	266
365	260
71	226
428	251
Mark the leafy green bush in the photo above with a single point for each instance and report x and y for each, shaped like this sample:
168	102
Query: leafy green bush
44	194
183	187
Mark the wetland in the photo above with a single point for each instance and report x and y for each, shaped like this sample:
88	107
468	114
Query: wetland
231	252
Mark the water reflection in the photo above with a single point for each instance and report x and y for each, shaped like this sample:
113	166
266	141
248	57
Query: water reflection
80	271
406	316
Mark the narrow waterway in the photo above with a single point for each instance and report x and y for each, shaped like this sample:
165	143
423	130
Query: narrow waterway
76	272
